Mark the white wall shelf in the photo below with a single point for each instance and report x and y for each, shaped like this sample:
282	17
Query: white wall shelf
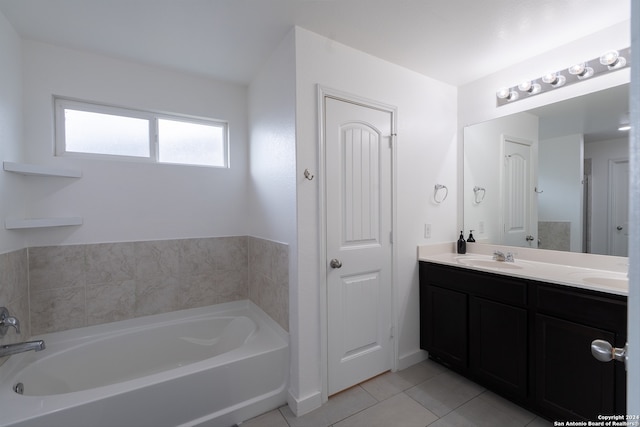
46	171
15	224
39	170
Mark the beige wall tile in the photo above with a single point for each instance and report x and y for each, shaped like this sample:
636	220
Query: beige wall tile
110	302
157	258
157	295
53	267
80	285
57	309
109	262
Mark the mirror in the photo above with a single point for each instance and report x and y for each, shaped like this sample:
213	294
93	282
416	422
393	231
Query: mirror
555	177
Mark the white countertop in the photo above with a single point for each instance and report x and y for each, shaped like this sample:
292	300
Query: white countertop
604	274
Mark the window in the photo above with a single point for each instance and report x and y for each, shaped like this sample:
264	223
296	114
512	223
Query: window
86	129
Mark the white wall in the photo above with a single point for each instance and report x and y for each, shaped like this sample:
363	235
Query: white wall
272	147
560	177
272	186
483	164
600	152
11	185
426	155
125	201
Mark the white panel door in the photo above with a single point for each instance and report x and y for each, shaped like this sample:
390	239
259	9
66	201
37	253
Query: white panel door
519	221
358	252
618	207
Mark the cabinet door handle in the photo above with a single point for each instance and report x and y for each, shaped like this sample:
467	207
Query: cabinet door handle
605	352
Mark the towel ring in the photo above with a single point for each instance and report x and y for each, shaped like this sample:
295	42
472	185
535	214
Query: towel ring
436	189
479	197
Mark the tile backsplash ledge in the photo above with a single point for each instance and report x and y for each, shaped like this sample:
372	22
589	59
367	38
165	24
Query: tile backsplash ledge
54	288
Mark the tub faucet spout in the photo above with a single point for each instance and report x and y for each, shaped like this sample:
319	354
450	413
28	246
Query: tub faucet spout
21	347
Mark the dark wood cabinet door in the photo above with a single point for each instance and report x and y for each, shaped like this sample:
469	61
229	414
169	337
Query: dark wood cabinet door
571	383
498	346
445	326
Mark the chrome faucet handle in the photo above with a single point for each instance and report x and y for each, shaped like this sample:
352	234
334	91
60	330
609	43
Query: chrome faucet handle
509	257
6	321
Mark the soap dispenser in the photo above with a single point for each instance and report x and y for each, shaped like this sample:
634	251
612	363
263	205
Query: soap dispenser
471	239
462	245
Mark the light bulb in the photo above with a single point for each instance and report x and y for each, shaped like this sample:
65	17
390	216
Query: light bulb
525	86
577	69
554	79
506	93
613	60
503	93
581	70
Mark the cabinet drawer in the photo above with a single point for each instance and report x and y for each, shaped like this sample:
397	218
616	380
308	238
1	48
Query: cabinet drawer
586	307
491	286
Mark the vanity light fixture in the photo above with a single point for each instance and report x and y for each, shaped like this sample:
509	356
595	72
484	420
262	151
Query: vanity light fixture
608	62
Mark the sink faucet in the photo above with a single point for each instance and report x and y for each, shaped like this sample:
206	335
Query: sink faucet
500	256
21	347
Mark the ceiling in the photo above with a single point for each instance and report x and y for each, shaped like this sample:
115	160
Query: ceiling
454	41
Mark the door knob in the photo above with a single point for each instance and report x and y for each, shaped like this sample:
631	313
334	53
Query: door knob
529	238
619	228
335	263
604	351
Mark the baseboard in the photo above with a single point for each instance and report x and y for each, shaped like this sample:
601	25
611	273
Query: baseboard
411	359
305	405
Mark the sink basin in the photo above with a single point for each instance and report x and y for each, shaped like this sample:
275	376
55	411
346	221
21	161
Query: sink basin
606	279
609	282
488	263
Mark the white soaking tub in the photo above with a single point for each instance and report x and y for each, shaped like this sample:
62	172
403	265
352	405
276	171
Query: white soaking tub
208	366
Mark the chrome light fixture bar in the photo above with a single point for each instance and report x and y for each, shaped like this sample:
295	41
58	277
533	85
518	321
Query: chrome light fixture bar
608	62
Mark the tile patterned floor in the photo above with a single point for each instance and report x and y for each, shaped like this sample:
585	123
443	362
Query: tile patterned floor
425	394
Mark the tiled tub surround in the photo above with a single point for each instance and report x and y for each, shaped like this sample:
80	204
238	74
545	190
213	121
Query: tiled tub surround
82	285
269	278
14	294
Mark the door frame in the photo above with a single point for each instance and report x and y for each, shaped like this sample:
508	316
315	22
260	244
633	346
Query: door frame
322	93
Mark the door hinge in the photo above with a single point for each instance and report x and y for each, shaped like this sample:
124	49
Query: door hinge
391	237
391	331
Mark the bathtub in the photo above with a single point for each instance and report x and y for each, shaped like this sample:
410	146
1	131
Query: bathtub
208	366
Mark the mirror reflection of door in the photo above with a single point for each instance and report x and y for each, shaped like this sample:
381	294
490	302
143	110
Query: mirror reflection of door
518	182
618	207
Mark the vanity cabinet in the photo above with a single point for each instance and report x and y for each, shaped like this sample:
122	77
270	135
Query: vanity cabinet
528	341
476	324
571	383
